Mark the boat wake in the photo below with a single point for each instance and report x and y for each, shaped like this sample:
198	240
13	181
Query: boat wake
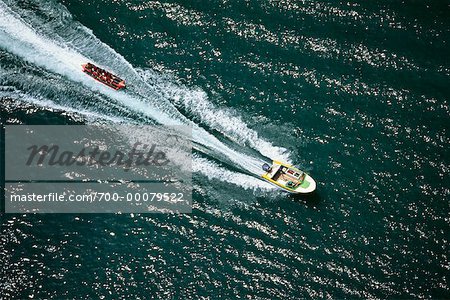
57	48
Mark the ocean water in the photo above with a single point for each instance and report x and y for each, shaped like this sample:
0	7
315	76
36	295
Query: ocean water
354	92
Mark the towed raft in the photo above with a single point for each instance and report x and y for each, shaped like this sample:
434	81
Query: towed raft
289	178
104	76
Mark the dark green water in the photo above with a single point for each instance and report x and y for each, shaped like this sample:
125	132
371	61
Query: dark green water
354	92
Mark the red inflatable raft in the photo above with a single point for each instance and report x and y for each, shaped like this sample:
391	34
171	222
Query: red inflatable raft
104	76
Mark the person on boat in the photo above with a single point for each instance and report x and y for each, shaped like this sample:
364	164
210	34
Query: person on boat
89	67
92	68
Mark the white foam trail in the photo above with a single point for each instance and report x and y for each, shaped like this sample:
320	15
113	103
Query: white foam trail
213	171
199	164
23	41
225	121
89	115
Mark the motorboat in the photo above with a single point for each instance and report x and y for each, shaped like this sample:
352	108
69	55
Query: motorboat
103	76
